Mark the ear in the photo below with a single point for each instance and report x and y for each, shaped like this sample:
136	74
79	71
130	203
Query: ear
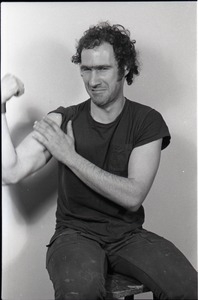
126	71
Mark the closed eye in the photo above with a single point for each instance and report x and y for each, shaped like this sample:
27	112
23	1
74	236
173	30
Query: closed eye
84	69
97	68
103	68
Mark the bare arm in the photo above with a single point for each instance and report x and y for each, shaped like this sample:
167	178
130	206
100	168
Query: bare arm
27	158
128	192
29	155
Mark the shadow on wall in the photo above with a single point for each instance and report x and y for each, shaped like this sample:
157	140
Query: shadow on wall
158	84
33	194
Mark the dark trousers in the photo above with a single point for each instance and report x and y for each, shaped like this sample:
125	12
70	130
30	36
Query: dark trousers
78	265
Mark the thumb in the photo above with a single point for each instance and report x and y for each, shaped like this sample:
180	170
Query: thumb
70	129
20	89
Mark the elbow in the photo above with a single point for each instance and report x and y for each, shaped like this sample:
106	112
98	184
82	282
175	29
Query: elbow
134	208
9	176
9	180
136	197
136	204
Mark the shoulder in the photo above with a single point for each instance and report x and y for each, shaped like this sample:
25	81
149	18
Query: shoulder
141	112
149	124
56	117
71	110
62	115
138	108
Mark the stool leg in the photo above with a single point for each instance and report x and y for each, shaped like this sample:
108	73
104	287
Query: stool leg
131	297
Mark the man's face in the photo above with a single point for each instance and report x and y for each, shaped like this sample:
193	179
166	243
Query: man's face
99	70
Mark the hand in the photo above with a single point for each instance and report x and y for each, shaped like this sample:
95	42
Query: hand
59	144
11	86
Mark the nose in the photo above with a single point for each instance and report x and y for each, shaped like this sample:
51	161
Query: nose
94	79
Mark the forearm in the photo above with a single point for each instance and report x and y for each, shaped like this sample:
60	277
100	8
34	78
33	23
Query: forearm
124	191
9	157
127	192
10	86
22	161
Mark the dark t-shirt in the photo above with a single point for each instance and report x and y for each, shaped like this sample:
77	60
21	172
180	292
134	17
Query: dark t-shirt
108	146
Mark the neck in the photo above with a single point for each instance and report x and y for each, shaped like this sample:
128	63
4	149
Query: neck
109	113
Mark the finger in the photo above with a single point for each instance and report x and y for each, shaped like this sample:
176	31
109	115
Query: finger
19	92
44	129
70	129
20	87
42	124
40	138
51	123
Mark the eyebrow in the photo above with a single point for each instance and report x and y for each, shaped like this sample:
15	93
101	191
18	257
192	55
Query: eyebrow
95	67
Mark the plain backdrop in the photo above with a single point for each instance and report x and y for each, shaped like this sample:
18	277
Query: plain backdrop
38	40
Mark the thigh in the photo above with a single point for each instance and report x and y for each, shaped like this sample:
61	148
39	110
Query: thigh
77	267
157	263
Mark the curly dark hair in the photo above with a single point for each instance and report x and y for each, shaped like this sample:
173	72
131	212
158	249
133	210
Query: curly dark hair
119	38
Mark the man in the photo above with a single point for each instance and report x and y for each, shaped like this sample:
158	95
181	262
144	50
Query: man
108	150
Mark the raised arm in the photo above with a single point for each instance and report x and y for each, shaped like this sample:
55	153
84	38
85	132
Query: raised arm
128	192
29	155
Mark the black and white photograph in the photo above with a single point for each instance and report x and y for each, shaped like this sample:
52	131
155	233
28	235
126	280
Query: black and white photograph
99	150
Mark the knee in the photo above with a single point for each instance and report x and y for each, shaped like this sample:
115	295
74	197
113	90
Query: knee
190	291
187	290
81	290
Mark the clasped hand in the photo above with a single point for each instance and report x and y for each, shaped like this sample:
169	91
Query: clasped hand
50	135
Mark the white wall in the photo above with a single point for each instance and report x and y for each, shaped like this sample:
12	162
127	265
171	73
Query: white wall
38	40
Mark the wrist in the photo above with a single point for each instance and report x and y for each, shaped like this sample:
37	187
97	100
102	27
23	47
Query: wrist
3	107
71	159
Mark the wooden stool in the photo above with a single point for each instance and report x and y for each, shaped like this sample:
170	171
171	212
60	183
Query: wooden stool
122	287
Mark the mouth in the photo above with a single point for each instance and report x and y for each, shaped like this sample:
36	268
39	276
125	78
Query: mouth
97	91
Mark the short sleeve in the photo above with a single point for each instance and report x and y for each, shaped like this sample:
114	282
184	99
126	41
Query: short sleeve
67	114
153	128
